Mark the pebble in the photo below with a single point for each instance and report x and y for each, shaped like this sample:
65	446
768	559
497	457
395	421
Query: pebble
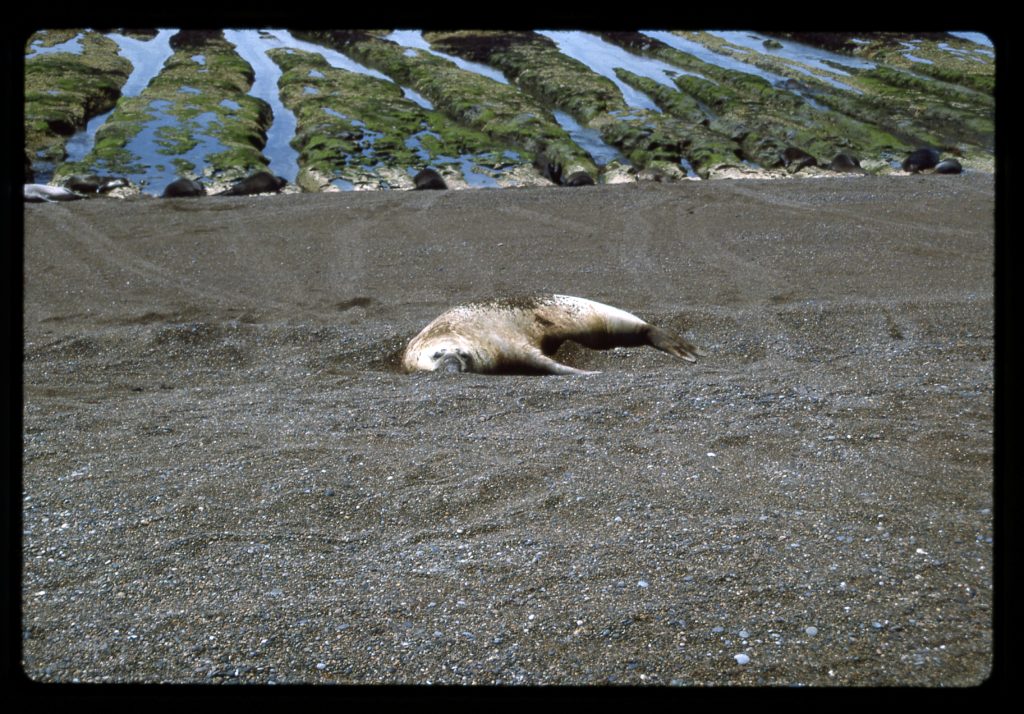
741	658
811	630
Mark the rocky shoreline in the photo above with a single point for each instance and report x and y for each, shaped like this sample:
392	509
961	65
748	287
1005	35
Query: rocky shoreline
703	119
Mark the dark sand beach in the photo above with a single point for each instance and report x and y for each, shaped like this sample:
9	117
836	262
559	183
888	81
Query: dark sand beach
226	478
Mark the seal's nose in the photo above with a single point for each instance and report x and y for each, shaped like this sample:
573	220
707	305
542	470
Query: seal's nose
450	363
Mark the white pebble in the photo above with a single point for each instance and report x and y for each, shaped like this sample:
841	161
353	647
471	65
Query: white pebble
811	630
643	583
741	658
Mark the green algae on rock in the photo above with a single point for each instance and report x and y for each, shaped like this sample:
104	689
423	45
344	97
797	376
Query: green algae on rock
198	112
888	109
64	90
936	54
363	130
508	116
647	139
763	119
534	63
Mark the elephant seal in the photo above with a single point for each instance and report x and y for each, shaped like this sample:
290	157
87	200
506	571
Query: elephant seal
184	188
579	178
518	336
948	166
794	159
429	179
920	159
260	182
846	163
94	184
41	192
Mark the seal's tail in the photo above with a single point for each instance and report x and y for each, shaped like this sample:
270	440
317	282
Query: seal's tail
677	346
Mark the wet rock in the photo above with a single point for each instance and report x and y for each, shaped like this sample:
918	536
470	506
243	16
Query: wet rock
948	166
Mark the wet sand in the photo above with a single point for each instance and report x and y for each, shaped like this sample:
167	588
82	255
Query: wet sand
226	479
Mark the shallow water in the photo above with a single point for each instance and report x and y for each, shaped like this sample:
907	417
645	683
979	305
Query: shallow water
805	54
588	139
793	51
414	39
72	46
979	38
159	168
252	47
147	58
603	57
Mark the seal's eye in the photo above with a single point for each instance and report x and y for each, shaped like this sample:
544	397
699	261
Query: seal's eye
437	355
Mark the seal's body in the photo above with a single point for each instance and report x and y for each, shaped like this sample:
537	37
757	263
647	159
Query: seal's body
41	192
846	163
520	335
921	159
948	166
428	179
94	184
260	182
184	188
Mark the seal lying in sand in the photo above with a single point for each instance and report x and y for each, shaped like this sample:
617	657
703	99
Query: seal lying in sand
260	182
428	179
184	188
41	192
94	184
519	336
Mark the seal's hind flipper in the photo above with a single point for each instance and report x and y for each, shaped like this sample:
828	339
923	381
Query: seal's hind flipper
677	346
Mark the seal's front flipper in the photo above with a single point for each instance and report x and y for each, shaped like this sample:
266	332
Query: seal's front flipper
677	346
536	361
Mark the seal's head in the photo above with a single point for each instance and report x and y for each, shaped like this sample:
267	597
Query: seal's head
442	353
452	360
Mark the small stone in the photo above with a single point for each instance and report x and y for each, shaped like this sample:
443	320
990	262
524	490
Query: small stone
811	631
741	659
